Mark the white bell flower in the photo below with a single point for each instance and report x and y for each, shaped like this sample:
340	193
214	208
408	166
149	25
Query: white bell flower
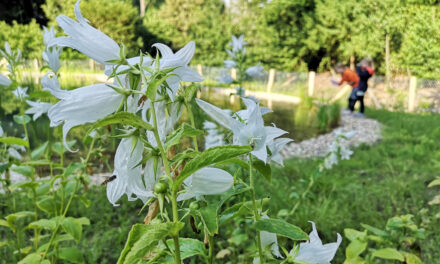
270	239
275	147
50	83
20	93
37	108
48	35
144	188
252	132
255	71
251	103
52	57
83	105
331	160
213	138
345	153
4	80
181	60
238	43
313	251
224	78
230	64
86	39
206	181
126	171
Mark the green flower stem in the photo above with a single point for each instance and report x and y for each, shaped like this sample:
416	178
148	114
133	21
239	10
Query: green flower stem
193	124
211	249
303	195
177	258
254	205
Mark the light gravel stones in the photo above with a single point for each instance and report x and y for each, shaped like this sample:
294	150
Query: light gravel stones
368	131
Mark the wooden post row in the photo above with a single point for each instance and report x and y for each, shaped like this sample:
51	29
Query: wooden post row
412	93
311	83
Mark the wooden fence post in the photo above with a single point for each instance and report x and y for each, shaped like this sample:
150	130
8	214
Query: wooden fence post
92	65
412	93
311	83
270	83
234	73
200	69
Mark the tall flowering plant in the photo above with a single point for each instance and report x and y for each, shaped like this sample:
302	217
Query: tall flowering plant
181	186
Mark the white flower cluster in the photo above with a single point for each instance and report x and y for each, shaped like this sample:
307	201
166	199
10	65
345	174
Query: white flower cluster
337	150
91	103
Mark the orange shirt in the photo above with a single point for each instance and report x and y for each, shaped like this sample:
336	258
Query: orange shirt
350	77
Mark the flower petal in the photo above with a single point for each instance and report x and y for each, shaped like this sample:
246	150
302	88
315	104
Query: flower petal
219	115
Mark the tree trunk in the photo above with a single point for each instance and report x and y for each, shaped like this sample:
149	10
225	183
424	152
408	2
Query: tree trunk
142	7
387	59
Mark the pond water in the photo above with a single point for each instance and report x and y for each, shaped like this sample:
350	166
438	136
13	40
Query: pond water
283	115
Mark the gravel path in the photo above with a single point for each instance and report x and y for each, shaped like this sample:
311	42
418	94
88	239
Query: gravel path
367	131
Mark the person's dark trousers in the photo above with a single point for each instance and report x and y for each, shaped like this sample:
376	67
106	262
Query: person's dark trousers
352	103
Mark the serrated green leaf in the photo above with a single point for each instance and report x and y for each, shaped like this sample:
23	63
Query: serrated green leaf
38	152
375	230
281	228
412	259
24	170
189	247
49	224
72	227
388	253
47	204
32	258
123	118
14	141
143	238
184	130
208	157
13	217
71	254
57	239
18	185
353	234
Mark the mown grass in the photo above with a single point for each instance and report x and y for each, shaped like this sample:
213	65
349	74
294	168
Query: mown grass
379	182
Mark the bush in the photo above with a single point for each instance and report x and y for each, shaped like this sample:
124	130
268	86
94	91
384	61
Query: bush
26	37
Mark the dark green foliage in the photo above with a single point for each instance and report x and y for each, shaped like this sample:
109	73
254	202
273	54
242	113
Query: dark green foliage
379	182
26	37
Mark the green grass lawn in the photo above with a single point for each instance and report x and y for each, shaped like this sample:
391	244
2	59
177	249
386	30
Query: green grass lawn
379	182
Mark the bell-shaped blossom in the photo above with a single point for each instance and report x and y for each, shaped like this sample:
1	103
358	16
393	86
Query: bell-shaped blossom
83	105
181	60
48	35
213	138
251	103
255	71
86	39
4	80
270	239
143	188
224	78
238	43
250	132
331	160
230	64
313	251
275	147
52	57
128	155
50	83
20	93
206	181
37	108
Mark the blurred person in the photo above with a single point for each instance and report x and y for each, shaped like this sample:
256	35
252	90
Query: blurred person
350	77
364	70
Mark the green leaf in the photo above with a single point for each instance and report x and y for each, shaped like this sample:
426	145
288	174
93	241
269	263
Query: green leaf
389	253
33	258
355	248
243	164
47	204
184	130
123	118
71	254
14	141
209	218
5	223
58	238
143	238
72	227
38	152
49	224
27	171
435	182
375	230
208	157
189	247
263	168
13	217
412	259
353	234
16	186
281	228
189	93
20	119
